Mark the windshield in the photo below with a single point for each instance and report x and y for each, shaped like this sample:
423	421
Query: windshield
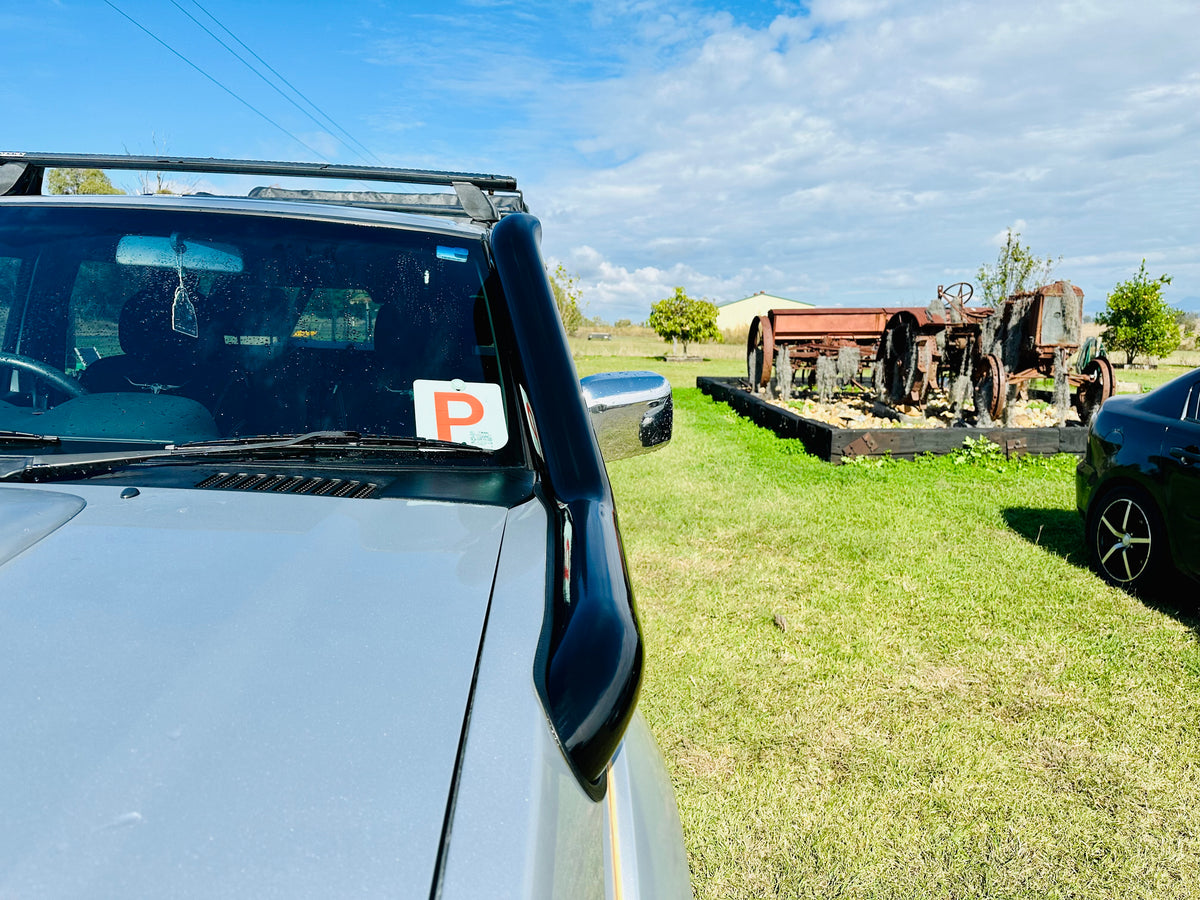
181	326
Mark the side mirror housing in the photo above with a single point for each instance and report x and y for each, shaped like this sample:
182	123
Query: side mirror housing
631	412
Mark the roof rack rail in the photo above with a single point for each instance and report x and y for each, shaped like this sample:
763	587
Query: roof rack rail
421	204
21	175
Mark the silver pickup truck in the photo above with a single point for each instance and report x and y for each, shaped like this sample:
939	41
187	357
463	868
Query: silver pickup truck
310	577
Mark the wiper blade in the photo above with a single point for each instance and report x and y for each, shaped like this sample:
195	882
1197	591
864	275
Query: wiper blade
262	442
37	468
65	465
318	439
26	437
265	441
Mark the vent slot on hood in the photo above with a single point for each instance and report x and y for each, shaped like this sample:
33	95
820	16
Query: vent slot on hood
290	484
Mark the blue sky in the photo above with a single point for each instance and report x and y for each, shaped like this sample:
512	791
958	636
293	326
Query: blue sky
843	152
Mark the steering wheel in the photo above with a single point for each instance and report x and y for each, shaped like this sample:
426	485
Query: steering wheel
961	291
44	371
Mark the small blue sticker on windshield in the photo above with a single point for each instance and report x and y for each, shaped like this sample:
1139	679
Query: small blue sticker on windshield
454	254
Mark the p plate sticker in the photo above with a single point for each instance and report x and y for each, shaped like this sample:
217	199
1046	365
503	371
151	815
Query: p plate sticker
465	412
454	254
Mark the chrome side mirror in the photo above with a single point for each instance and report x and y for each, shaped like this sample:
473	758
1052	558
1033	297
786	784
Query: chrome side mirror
631	412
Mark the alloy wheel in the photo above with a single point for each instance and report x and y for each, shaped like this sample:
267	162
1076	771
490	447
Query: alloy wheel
1124	540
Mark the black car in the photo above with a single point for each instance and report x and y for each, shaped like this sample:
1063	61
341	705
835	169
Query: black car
1138	485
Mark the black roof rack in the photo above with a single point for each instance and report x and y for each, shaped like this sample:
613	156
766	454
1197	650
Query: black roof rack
422	204
21	175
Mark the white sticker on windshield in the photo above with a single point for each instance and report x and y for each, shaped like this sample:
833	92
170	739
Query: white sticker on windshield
465	412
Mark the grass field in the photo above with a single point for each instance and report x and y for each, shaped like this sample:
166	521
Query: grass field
955	706
642	342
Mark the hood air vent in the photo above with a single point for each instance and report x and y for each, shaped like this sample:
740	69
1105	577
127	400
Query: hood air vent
289	484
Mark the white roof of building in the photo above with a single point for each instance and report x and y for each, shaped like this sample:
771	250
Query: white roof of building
763	295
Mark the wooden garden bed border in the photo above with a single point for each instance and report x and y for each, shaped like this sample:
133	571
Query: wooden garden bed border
835	444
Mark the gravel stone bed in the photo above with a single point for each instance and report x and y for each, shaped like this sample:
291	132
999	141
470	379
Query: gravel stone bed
861	412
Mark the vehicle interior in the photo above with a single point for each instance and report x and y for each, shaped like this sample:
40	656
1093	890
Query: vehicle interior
180	325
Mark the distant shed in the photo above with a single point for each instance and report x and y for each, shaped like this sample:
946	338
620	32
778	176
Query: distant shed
740	313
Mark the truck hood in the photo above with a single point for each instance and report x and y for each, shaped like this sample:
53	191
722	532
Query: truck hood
222	694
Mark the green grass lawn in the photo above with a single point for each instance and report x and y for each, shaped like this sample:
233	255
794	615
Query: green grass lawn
651	347
1152	378
957	706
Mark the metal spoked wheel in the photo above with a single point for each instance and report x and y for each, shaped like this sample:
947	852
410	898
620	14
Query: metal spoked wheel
991	386
1124	537
1092	393
760	353
960	292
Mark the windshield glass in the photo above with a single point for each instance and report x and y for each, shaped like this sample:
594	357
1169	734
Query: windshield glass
180	326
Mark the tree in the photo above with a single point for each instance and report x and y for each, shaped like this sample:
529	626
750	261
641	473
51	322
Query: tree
79	181
682	318
1187	321
566	297
1138	320
1016	270
157	182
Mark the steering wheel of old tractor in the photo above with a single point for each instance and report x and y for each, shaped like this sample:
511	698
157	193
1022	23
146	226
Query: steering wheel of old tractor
44	371
961	291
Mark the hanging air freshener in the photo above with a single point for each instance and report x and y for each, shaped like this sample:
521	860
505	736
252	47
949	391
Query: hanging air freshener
183	311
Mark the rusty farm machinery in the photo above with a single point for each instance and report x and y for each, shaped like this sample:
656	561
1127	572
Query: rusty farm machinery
990	354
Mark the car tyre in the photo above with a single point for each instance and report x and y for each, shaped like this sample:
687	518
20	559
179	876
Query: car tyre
1127	543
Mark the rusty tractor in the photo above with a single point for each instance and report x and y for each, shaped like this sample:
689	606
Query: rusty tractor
988	353
992	353
793	341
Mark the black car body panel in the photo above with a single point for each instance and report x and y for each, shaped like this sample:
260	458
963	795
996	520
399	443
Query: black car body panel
1150	444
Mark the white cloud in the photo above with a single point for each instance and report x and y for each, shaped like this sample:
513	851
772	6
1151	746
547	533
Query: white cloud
837	11
1000	238
861	161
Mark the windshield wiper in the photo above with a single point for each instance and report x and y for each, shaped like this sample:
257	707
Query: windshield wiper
318	439
26	437
83	465
264	441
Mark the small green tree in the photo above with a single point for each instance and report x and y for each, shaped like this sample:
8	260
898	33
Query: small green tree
1016	270
79	181
566	297
682	318
1138	320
